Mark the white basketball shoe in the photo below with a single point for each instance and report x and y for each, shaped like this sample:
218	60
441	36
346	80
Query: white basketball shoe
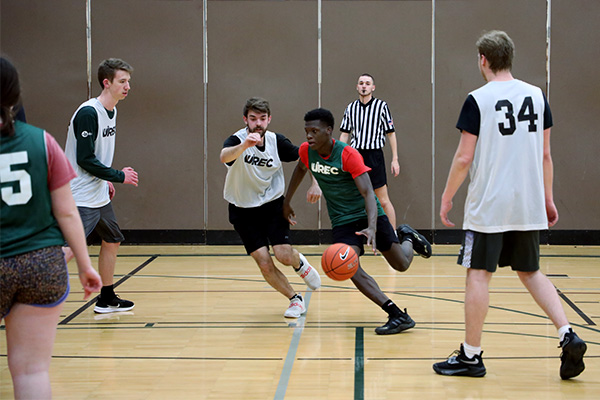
296	307
309	274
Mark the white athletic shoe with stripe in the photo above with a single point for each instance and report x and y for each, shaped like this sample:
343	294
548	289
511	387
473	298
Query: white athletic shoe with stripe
296	308
308	274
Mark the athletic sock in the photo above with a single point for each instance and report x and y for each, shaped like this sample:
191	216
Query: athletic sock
562	331
297	295
390	308
471	351
299	266
108	292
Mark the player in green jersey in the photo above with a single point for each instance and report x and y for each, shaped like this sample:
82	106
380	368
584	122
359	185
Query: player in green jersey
354	210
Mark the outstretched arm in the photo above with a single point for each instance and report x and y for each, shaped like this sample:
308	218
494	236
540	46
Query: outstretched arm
295	180
365	187
229	154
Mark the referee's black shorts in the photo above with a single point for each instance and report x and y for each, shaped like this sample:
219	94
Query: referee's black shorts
376	161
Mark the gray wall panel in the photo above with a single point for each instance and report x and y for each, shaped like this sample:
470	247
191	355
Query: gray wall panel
160	124
51	61
269	48
458	26
391	40
266	49
574	89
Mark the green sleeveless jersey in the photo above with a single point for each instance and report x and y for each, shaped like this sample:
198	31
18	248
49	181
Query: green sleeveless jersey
335	176
26	220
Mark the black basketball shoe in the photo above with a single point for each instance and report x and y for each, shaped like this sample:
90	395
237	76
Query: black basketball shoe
458	364
396	324
420	244
114	305
571	359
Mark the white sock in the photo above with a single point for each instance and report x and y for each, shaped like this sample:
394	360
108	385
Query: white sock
471	351
562	331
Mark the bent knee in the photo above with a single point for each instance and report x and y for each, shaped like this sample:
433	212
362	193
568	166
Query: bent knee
401	266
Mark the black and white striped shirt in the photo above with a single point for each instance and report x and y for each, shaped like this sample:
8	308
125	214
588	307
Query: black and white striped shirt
367	123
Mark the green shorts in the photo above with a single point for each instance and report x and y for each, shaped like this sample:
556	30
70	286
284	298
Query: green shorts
518	249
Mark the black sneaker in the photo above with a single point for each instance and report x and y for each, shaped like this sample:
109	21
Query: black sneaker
115	305
396	324
571	359
420	244
459	365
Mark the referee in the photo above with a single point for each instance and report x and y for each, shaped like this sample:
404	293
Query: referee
366	122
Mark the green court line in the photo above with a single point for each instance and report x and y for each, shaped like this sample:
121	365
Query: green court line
359	365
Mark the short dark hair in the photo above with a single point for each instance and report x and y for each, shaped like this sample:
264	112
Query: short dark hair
257	104
11	95
109	67
320	114
498	48
369	75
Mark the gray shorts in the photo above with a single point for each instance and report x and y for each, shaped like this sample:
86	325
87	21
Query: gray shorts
37	278
518	249
103	221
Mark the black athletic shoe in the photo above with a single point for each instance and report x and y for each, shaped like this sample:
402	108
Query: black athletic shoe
114	305
396	324
420	244
459	365
571	359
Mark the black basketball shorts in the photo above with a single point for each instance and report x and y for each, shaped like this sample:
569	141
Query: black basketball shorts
260	226
518	249
385	236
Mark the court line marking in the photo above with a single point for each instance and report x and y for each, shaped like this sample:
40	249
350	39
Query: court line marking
93	300
359	364
574	307
320	254
291	354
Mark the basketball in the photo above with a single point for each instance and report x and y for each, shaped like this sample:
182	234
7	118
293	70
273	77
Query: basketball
339	262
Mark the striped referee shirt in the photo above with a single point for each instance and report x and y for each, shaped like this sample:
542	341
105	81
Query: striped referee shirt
367	124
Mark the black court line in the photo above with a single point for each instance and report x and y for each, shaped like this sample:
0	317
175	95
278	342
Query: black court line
575	308
93	300
320	254
170	358
359	365
486	358
492	307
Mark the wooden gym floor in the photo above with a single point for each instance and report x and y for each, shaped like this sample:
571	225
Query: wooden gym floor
207	326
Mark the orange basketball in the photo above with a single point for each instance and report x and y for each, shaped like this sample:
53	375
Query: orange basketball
339	262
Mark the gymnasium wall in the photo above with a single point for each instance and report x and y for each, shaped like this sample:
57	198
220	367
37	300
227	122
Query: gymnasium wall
172	125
